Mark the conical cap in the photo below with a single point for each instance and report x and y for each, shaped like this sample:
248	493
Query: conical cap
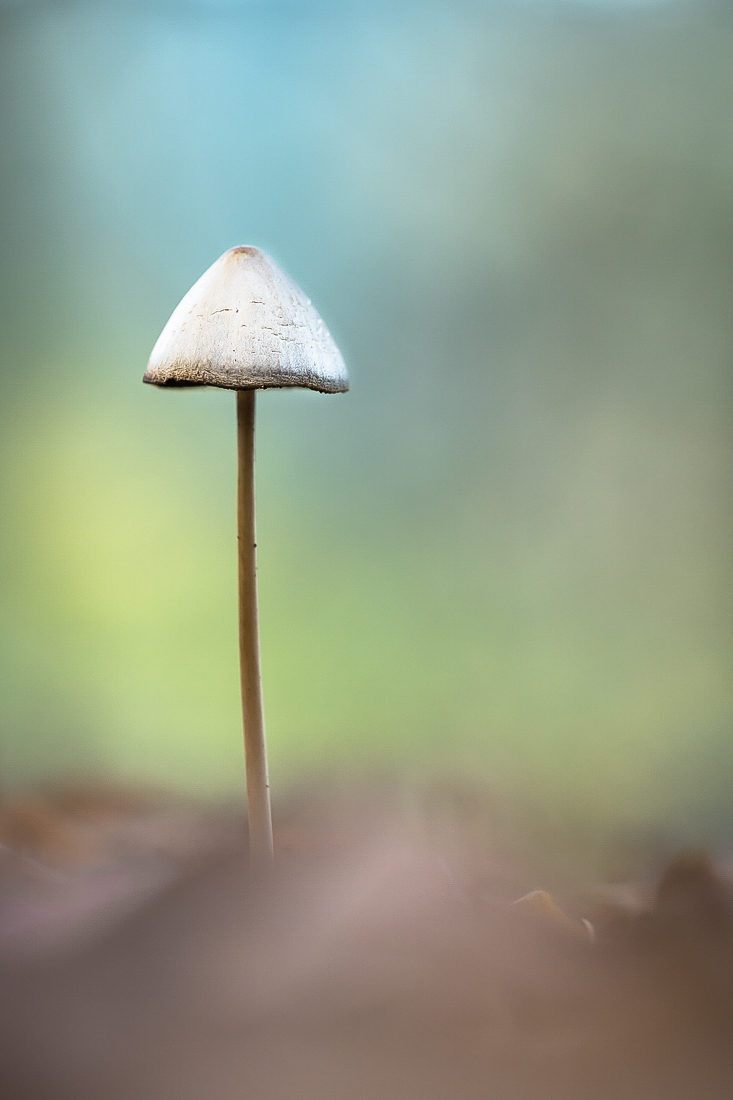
246	325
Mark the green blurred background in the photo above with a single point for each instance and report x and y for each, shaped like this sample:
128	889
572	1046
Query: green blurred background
507	552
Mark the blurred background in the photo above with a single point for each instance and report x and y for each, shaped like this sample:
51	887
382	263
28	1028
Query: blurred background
506	554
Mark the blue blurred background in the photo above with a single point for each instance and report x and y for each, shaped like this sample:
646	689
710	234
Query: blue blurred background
506	553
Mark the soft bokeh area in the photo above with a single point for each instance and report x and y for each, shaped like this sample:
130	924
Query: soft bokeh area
507	552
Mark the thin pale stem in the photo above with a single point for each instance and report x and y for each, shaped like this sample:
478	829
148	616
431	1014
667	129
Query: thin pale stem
255	749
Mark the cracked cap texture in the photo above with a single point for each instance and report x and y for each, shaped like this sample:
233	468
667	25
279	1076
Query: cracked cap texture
246	325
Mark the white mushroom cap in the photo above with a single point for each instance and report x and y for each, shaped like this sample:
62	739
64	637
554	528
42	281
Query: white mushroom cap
246	325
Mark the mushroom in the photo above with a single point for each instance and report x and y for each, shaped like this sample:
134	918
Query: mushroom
246	326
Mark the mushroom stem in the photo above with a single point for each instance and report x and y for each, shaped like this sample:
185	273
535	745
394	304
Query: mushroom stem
255	749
